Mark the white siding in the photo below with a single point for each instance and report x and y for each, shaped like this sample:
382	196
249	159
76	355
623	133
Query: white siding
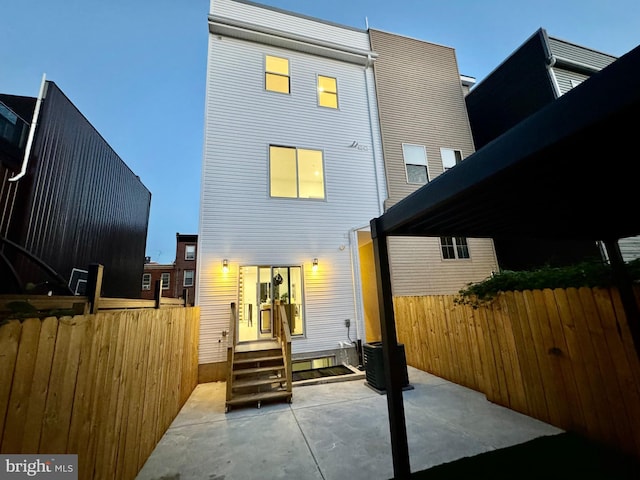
238	219
630	248
564	77
290	22
578	53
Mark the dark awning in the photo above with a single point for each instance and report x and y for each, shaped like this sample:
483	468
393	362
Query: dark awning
570	171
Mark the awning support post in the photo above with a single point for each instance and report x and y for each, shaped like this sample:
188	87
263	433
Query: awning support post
392	365
625	287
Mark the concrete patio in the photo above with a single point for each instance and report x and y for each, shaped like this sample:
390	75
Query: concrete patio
332	431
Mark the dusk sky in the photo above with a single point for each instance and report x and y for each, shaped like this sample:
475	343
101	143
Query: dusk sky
136	69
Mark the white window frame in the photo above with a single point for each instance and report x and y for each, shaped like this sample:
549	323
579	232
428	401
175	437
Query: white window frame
184	278
337	107
186	252
574	83
455	244
168	282
425	164
298	197
268	72
444	149
146	285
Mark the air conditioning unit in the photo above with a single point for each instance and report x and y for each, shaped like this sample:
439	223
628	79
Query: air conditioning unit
374	365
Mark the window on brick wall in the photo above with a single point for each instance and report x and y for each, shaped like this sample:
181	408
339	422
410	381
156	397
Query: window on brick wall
166	278
146	281
188	278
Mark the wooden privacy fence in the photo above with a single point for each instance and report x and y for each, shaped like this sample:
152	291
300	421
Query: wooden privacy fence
104	386
564	356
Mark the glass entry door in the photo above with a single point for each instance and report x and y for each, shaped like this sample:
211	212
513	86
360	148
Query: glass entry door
259	288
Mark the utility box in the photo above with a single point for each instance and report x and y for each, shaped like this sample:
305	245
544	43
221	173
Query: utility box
374	365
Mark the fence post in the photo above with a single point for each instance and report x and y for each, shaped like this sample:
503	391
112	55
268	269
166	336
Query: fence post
157	294
94	286
185	294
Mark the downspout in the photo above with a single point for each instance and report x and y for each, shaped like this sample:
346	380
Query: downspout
550	62
371	132
32	131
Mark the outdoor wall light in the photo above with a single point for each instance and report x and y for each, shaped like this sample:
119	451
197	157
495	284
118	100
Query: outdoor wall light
315	264
225	266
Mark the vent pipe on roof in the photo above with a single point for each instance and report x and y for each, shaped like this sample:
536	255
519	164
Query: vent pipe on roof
32	131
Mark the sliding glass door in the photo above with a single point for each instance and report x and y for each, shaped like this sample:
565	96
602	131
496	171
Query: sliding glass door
259	289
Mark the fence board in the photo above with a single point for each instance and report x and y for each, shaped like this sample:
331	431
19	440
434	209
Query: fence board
588	370
609	392
528	352
37	401
628	387
21	389
134	439
458	342
423	336
106	460
124	393
500	391
79	429
566	363
434	349
147	431
9	338
550	371
57	414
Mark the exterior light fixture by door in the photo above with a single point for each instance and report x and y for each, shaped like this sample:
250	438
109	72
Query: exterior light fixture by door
315	264
225	266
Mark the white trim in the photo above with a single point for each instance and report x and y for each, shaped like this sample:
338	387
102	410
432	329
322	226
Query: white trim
554	82
426	163
268	36
264	68
337	107
444	169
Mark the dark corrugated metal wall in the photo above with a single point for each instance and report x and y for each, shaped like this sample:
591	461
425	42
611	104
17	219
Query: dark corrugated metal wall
517	88
83	204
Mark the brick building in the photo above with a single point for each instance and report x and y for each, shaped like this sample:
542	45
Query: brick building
176	277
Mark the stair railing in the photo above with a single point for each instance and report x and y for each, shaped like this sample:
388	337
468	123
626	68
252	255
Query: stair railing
283	333
231	345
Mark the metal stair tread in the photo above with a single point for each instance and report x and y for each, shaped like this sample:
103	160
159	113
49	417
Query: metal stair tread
248	371
256	397
241	361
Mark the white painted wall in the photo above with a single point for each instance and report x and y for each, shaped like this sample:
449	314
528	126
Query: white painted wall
238	219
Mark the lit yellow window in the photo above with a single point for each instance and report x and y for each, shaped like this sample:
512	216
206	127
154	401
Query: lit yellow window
276	74
327	92
310	176
283	172
296	173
